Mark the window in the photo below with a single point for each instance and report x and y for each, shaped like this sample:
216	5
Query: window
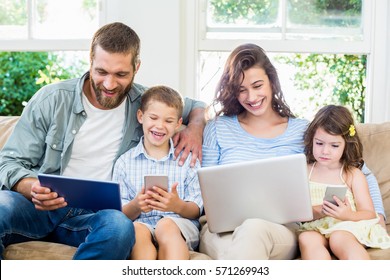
284	19
327	32
48	24
42	41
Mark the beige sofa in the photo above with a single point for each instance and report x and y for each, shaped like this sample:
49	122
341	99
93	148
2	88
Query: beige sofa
376	142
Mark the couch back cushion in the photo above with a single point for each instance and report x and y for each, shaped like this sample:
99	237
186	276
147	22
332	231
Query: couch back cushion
7	125
376	153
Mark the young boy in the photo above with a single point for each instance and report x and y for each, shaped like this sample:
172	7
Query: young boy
166	222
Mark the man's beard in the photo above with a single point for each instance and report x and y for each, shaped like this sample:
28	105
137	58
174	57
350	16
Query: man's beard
110	102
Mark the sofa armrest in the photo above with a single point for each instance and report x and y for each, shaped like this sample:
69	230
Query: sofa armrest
7	125
376	154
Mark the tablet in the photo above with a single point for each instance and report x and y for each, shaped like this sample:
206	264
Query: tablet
84	193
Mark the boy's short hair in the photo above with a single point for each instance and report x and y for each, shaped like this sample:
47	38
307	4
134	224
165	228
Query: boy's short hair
163	94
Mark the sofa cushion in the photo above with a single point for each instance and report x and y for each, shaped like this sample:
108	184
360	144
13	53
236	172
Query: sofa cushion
376	153
40	250
379	254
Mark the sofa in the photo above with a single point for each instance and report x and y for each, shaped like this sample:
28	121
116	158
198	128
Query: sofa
376	143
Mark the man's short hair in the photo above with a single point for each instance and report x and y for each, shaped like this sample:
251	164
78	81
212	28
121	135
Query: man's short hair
117	38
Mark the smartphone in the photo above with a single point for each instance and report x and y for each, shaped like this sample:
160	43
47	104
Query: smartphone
335	191
160	181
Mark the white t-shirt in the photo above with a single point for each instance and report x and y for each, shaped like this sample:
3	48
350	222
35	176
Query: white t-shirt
96	143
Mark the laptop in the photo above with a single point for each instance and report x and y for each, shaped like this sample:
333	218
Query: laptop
84	193
274	189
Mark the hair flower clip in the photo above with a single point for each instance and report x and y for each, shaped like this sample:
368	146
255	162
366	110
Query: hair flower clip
352	130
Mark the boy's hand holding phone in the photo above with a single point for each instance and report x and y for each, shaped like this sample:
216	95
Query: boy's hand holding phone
141	201
166	201
156	186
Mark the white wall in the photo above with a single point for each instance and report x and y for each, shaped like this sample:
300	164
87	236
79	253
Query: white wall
387	70
157	23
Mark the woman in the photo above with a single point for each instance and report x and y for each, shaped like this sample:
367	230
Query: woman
253	122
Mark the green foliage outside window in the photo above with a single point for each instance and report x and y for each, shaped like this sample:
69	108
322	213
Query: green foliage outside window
90	6
23	73
331	79
244	11
13	12
328	12
338	13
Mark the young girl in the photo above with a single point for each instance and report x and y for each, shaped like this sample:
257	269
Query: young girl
334	155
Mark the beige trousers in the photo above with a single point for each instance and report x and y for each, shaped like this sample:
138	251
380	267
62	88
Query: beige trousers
254	239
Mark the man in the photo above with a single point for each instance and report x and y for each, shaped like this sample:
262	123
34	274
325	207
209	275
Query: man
79	128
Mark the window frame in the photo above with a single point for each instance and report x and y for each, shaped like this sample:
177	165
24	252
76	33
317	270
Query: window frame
377	108
31	44
288	45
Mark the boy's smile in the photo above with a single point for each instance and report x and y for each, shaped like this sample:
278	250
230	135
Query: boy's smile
159	123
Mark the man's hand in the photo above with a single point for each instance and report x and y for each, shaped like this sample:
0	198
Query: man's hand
190	138
44	199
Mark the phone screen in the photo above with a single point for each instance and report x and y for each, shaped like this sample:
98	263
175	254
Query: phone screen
160	181
335	191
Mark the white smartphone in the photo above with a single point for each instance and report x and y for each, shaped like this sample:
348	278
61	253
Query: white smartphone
160	181
335	191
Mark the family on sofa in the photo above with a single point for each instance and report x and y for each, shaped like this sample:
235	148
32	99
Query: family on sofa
95	118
